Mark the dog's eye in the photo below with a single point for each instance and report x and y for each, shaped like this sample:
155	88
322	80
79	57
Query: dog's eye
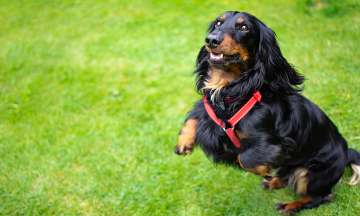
218	24
244	28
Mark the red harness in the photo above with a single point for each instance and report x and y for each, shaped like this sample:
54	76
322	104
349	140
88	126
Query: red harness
235	118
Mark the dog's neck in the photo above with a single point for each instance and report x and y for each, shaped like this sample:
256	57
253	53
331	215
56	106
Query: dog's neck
220	78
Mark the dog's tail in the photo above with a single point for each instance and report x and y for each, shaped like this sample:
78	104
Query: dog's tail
353	160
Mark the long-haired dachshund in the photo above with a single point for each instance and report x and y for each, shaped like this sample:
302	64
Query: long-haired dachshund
253	116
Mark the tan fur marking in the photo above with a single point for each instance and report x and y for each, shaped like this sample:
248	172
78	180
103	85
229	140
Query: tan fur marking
240	135
261	170
239	159
276	183
294	205
302	186
300	181
187	137
240	20
355	178
223	17
218	79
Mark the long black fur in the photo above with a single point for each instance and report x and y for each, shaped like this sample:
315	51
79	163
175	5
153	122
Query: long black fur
284	130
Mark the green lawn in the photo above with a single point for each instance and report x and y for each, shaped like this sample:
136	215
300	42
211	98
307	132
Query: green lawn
94	93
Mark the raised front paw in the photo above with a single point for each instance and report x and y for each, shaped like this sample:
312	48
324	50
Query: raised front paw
186	141
184	149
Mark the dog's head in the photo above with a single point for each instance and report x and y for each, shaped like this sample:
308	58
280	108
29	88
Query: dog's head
241	45
232	41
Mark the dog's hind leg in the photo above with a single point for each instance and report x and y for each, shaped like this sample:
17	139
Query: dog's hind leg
291	208
306	202
260	161
314	185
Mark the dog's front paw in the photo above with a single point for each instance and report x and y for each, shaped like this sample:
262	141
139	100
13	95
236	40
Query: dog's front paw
186	141
274	183
183	149
286	209
265	184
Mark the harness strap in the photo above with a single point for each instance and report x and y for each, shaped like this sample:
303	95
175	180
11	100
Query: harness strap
245	109
234	119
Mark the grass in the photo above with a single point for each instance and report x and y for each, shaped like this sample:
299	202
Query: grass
93	94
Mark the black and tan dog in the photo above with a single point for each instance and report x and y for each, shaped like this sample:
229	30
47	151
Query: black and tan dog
281	130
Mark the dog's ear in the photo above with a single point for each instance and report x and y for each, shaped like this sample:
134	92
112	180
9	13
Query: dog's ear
203	55
278	73
212	26
202	67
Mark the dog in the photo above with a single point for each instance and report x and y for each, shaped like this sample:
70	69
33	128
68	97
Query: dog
252	115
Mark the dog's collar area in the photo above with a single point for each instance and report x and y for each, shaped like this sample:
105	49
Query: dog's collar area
222	104
232	99
234	119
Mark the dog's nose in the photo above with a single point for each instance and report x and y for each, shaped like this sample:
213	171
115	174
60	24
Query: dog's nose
213	40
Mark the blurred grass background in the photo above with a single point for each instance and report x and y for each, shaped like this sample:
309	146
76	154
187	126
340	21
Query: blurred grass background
93	95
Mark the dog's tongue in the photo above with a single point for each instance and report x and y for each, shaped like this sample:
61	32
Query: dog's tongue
216	56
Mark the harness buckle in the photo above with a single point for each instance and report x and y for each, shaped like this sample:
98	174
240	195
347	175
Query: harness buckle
224	128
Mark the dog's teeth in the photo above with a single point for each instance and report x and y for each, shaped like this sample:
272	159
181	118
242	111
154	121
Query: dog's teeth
216	56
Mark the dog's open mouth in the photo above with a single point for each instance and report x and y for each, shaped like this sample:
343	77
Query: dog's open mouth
222	57
222	61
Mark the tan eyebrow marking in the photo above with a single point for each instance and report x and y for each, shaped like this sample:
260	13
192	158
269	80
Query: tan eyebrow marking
223	17
240	20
